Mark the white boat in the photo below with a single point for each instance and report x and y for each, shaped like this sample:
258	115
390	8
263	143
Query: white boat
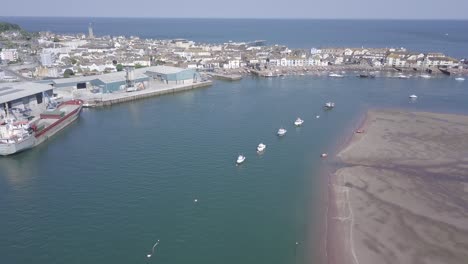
413	96
240	159
329	105
402	76
261	147
335	75
425	76
281	132
298	122
460	79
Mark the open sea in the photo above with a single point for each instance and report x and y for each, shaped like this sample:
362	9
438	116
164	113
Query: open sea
105	189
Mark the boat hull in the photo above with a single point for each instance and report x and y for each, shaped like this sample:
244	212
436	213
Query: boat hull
57	126
12	148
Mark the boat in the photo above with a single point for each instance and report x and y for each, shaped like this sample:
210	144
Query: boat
329	105
413	96
402	76
17	136
324	155
261	147
281	132
425	76
444	71
460	79
366	75
240	159
335	75
298	122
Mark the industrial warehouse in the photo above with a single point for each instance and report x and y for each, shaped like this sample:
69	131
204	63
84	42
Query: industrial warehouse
98	90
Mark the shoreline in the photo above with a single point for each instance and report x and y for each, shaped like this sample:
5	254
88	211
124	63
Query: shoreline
387	184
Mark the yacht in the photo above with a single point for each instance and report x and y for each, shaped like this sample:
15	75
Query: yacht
413	96
298	122
261	147
240	159
282	132
460	79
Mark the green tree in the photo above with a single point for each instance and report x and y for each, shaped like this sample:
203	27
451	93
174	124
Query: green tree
138	66
68	73
119	67
56	39
73	61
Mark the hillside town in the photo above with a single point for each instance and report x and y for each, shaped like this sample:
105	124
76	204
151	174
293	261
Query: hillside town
47	55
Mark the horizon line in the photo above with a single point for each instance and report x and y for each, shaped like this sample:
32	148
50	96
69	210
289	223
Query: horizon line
243	18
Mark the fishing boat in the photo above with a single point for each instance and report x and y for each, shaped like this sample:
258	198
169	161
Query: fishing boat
460	79
413	96
335	75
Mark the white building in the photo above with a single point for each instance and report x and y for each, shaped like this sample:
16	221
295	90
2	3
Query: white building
46	59
9	55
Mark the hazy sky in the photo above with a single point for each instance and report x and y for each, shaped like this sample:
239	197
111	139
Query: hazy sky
397	9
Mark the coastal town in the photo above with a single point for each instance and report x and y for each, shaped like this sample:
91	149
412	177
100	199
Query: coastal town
47	55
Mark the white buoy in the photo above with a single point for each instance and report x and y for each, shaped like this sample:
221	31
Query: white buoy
317	117
195	201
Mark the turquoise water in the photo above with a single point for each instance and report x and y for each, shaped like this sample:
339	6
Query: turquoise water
105	189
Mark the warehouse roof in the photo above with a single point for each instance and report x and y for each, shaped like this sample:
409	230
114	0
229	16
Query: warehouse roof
13	91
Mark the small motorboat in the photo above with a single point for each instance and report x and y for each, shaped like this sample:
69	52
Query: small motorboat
240	159
324	155
298	122
317	117
329	105
281	132
261	147
413	96
359	131
402	76
425	76
460	79
335	75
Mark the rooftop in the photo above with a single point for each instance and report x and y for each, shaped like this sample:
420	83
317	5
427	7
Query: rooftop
12	91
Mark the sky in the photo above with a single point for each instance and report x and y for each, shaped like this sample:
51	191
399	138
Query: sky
309	9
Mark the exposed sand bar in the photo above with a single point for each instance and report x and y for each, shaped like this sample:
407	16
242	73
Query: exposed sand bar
402	196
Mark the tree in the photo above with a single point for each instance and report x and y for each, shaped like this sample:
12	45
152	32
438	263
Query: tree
67	73
138	66
119	67
73	61
114	62
56	39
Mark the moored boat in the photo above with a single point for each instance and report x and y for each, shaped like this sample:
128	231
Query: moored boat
329	105
281	132
261	147
36	131
240	159
298	122
460	79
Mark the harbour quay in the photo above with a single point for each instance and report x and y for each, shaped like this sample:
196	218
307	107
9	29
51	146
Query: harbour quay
129	85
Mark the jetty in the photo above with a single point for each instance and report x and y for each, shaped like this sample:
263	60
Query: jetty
122	97
225	77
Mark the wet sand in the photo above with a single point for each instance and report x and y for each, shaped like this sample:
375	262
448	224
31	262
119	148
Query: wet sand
402	194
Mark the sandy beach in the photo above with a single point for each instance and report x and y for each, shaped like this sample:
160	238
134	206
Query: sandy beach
401	195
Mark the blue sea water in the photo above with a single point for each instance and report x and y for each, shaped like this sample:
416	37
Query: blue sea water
448	36
106	188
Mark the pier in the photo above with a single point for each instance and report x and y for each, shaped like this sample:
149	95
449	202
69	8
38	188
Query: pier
225	77
121	97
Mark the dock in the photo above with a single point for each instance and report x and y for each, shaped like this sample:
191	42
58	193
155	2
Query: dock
121	97
225	77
